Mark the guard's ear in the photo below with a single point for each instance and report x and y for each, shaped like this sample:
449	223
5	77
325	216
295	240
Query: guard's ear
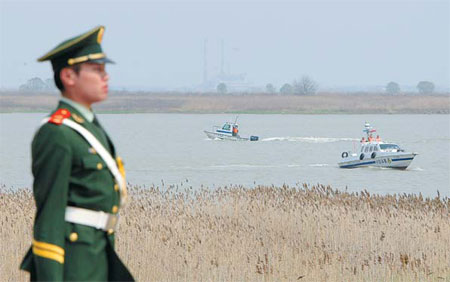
68	77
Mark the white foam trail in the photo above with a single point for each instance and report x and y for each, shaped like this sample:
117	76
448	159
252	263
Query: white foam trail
241	166
215	139
380	168
319	165
416	169
308	139
431	140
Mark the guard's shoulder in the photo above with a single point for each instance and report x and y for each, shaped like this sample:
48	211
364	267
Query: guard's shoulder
59	116
50	131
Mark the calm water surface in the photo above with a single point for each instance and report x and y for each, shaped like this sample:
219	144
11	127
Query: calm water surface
294	149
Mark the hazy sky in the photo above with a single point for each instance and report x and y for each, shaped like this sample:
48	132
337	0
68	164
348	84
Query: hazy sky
160	44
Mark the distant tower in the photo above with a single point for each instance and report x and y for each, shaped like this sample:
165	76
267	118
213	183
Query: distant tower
222	59
205	63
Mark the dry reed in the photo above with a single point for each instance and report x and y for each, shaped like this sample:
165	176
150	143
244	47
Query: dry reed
308	233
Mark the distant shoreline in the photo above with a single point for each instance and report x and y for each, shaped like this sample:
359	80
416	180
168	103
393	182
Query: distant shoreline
322	103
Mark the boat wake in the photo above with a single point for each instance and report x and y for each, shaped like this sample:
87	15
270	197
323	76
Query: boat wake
319	165
416	169
240	166
243	166
431	140
308	139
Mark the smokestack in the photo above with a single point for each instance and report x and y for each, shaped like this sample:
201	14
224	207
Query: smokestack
222	59
205	64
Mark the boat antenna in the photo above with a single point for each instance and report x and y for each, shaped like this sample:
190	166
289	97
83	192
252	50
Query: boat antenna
235	120
368	129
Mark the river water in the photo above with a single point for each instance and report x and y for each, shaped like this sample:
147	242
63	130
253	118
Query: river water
293	149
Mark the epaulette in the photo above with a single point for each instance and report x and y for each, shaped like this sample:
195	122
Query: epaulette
59	116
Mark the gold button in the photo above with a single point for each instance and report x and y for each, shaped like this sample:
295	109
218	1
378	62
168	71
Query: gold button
99	166
116	187
110	231
73	237
115	209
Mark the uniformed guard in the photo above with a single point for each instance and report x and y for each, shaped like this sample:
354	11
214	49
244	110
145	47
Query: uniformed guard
79	182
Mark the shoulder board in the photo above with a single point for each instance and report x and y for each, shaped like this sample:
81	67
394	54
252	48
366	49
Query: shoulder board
59	116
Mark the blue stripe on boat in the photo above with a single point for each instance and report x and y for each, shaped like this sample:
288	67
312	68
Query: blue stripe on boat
405	159
352	165
372	162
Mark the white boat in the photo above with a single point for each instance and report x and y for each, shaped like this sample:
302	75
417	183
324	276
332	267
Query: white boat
229	131
374	152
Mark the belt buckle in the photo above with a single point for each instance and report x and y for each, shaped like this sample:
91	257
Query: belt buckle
111	223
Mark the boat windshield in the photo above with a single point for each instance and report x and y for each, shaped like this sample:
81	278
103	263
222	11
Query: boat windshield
226	126
389	147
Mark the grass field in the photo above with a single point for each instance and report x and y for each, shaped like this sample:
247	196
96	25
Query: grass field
323	103
308	233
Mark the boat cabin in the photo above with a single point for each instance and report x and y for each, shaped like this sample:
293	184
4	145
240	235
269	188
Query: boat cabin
229	129
369	148
389	148
382	147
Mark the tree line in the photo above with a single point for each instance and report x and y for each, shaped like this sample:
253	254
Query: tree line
303	86
424	87
307	86
37	84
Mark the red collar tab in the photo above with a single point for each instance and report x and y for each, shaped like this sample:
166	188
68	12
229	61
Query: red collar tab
59	116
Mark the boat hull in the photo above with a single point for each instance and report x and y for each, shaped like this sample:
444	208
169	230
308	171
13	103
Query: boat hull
220	136
397	161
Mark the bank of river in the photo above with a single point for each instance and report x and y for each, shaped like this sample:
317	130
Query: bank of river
250	104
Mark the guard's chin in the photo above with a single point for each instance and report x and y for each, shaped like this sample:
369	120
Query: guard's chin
101	97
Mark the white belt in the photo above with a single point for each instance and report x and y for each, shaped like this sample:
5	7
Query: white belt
98	219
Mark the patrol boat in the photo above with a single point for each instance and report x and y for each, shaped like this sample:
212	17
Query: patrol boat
228	131
374	152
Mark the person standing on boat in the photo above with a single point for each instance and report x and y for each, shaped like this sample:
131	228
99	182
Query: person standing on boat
235	130
79	182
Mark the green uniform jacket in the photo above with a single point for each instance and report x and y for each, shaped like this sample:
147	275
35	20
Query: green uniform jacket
68	172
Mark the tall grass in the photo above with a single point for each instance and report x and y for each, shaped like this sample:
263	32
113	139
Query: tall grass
308	233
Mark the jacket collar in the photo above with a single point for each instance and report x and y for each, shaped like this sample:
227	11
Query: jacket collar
82	110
